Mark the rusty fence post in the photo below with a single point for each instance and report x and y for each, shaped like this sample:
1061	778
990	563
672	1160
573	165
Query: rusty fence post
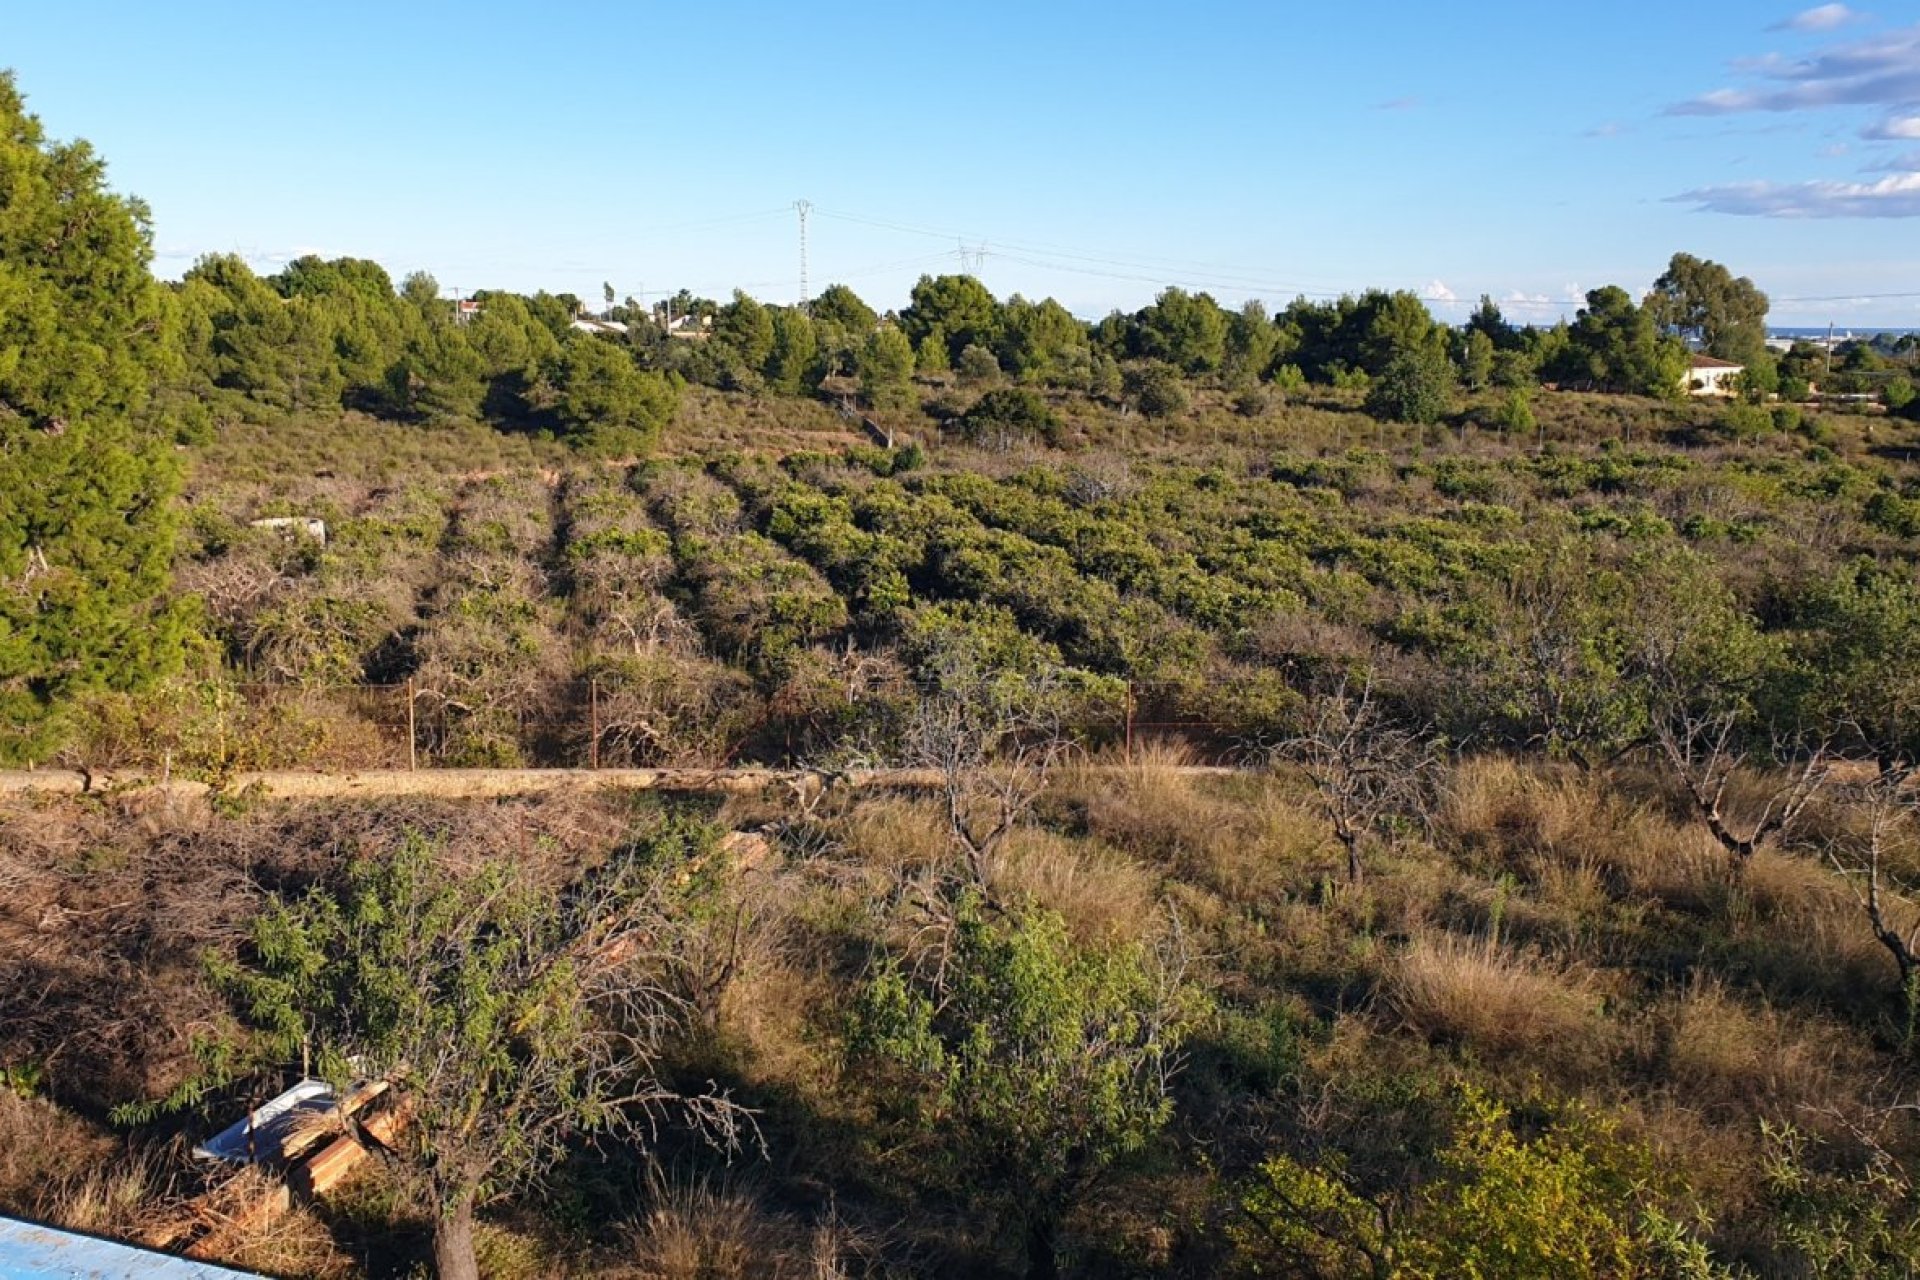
593	722
413	736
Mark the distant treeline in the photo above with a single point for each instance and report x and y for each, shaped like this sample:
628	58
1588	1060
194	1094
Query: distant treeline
321	334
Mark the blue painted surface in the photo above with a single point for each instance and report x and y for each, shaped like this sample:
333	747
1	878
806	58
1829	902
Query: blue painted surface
29	1251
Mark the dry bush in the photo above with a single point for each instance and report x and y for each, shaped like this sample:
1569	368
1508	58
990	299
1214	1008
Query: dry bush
1474	992
691	503
668	707
506	515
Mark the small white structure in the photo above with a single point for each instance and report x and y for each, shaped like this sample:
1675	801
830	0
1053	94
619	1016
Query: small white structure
260	1134
295	526
1709	376
607	327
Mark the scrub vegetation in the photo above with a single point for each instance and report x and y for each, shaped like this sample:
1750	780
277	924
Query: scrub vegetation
1551	918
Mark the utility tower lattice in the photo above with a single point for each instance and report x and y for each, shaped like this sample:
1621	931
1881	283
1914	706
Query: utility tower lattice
971	260
803	207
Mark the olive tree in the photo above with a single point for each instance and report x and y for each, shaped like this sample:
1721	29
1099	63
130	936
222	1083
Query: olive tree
1024	1065
513	1019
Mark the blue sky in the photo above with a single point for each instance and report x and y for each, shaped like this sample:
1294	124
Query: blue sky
1095	151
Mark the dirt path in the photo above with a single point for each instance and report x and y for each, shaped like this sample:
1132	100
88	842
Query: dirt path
478	784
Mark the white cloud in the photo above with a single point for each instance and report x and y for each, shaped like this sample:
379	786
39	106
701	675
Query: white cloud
1881	70
1819	18
1437	291
1529	308
1897	128
1895	196
1611	129
1906	162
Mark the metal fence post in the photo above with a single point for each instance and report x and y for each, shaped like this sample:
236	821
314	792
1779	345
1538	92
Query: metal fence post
593	722
1129	722
413	737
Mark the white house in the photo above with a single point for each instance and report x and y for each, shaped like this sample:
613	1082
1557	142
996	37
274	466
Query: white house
1712	377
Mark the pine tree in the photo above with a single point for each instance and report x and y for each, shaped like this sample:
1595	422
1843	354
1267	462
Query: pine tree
86	480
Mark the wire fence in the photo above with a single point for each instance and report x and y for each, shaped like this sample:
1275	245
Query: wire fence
576	723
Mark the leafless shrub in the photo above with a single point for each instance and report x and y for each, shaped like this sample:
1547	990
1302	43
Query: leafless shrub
992	740
1701	748
1886	896
1364	769
1100	477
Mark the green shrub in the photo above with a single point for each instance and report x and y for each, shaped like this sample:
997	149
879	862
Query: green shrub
1744	421
1008	414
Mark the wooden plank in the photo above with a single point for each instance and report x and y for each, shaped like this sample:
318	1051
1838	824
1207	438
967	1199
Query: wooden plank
324	1169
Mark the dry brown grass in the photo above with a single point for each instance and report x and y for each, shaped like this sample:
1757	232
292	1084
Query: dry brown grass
897	835
1799	931
774	425
1250	840
1147	803
1471	991
1102	894
1517	812
704	1231
1727	1055
1528	819
125	1198
42	1148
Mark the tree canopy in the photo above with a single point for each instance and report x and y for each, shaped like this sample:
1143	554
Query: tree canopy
86	482
1701	299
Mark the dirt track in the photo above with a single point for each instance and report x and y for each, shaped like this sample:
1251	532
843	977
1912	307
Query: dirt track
474	784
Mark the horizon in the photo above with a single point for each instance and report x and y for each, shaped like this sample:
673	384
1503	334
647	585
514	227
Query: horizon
1100	156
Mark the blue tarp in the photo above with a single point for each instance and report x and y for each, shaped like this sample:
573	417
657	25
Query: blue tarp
29	1251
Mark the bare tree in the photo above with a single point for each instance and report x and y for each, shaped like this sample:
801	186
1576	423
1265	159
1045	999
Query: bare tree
991	733
1702	748
993	739
1701	667
1887	900
1364	769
